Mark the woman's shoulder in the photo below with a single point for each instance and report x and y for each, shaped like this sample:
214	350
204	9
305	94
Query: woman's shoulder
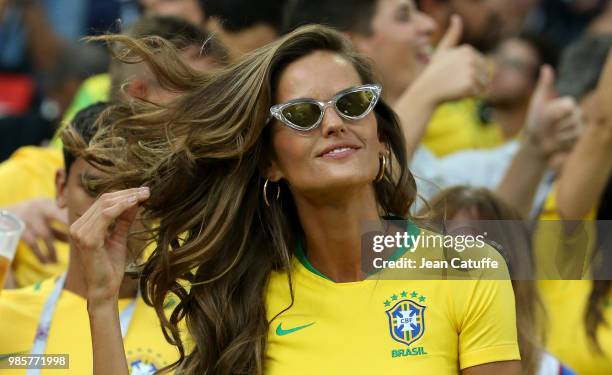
459	256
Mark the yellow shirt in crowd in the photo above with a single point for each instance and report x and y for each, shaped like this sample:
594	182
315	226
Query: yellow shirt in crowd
387	326
566	302
20	311
559	256
30	173
456	126
94	89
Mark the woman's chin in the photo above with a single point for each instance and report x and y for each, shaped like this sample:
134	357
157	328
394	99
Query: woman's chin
345	182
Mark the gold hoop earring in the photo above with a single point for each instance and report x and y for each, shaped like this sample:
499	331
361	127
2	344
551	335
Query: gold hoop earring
381	172
265	192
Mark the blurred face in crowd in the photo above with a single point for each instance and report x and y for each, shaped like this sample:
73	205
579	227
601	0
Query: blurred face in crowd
192	55
516	68
515	13
72	192
482	19
188	10
145	86
76	195
64	93
339	154
239	43
400	43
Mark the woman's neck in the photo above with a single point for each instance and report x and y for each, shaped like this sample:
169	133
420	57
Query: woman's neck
333	232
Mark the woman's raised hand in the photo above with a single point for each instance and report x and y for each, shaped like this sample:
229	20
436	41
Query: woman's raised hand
100	237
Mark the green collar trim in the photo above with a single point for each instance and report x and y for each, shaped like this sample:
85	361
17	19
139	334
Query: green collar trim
299	252
411	229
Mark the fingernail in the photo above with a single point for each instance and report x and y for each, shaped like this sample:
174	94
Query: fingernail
132	198
144	190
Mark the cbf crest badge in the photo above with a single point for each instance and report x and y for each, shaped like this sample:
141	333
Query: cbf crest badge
406	321
144	361
142	368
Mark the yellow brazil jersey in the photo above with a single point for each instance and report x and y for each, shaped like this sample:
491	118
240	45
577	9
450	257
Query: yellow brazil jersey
30	173
456	126
566	302
27	269
550	212
386	326
20	310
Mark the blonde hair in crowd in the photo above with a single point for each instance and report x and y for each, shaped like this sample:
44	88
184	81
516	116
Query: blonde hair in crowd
529	307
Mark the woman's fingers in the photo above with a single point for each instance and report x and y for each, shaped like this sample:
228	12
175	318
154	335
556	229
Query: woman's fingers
105	201
51	252
119	205
123	224
42	232
32	242
54	213
91	229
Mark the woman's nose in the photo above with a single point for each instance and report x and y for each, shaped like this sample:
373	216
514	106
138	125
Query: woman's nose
332	123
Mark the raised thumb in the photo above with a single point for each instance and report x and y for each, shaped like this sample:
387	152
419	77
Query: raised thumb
545	88
453	34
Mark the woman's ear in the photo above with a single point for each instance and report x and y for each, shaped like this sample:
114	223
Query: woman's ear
140	88
60	188
269	169
383	148
272	171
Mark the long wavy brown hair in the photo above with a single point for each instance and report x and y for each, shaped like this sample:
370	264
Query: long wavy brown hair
203	157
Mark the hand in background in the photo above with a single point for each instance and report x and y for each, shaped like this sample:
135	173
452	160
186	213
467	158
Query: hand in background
553	124
455	71
44	222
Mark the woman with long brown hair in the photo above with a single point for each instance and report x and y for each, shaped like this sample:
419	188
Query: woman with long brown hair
257	181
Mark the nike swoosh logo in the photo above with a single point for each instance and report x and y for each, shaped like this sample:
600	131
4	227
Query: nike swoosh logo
282	332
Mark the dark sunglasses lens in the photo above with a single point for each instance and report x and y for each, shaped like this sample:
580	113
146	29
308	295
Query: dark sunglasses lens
356	103
303	115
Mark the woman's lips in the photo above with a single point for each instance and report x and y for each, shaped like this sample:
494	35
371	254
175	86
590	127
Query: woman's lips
340	152
424	54
424	58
